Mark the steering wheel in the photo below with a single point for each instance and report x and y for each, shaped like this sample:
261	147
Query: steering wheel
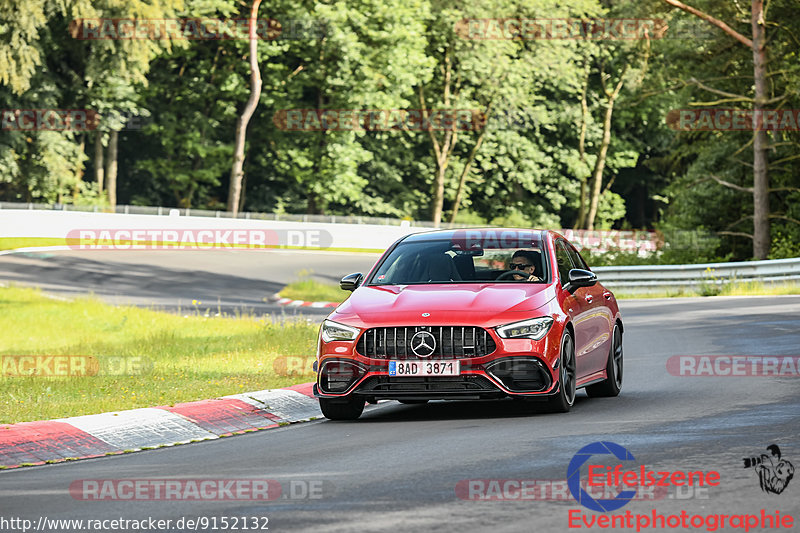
510	274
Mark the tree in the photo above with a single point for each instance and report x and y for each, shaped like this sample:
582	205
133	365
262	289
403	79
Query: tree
503	79
760	189
235	190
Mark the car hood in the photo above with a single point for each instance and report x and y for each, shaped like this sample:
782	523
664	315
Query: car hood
447	304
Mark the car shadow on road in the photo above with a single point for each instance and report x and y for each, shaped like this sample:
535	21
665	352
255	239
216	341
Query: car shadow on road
462	410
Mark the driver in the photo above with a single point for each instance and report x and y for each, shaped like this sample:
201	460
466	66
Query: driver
523	264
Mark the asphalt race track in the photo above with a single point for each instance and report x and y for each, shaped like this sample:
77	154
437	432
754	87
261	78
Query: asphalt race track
397	468
226	280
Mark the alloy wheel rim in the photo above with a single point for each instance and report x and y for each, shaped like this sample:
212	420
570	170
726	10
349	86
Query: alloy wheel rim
568	371
617	357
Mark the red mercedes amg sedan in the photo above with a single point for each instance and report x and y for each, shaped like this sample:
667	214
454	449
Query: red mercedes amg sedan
471	314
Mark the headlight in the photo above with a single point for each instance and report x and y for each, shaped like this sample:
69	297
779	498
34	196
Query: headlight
333	331
534	328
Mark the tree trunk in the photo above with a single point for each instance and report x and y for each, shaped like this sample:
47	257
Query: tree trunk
111	168
440	153
464	172
581	220
76	190
235	188
243	193
761	234
438	192
98	161
600	164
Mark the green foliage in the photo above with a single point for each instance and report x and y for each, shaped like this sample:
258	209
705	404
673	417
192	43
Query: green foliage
785	243
610	209
386	54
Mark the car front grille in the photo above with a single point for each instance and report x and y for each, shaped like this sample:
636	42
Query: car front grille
451	342
454	385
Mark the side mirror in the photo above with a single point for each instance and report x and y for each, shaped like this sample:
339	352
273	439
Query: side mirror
580	278
351	281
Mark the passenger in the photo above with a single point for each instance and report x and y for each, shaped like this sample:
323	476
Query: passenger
525	261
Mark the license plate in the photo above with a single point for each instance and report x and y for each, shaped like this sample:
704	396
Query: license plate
424	368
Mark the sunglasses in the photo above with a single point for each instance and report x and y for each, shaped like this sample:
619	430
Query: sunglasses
519	266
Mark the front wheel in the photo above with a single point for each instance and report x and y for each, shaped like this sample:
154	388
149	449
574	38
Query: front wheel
613	383
338	410
562	402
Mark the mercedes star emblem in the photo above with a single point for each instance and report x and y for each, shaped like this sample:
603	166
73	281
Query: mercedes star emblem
423	344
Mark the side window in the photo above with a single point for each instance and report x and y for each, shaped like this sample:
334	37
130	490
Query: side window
563	261
577	260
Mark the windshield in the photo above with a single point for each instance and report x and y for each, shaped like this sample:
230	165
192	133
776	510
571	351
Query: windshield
450	261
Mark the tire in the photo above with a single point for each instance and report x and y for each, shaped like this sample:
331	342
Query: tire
562	402
334	410
610	386
413	402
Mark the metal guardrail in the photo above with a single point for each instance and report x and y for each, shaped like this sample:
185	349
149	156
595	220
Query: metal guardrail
641	241
644	278
288	217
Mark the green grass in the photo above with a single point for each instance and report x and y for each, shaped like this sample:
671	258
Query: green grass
12	243
311	290
748	288
190	357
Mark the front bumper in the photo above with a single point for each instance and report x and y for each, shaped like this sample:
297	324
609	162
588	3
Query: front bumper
517	368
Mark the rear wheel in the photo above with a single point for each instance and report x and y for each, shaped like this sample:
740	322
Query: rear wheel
338	410
613	382
562	402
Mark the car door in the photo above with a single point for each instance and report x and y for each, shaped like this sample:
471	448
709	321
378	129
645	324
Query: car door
578	307
598	321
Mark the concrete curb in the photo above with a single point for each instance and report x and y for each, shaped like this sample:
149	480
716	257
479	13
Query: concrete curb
302	303
276	298
82	437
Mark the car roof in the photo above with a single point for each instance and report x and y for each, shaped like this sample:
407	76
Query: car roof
482	233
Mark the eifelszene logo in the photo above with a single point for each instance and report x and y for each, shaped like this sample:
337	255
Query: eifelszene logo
774	473
605	476
574	476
